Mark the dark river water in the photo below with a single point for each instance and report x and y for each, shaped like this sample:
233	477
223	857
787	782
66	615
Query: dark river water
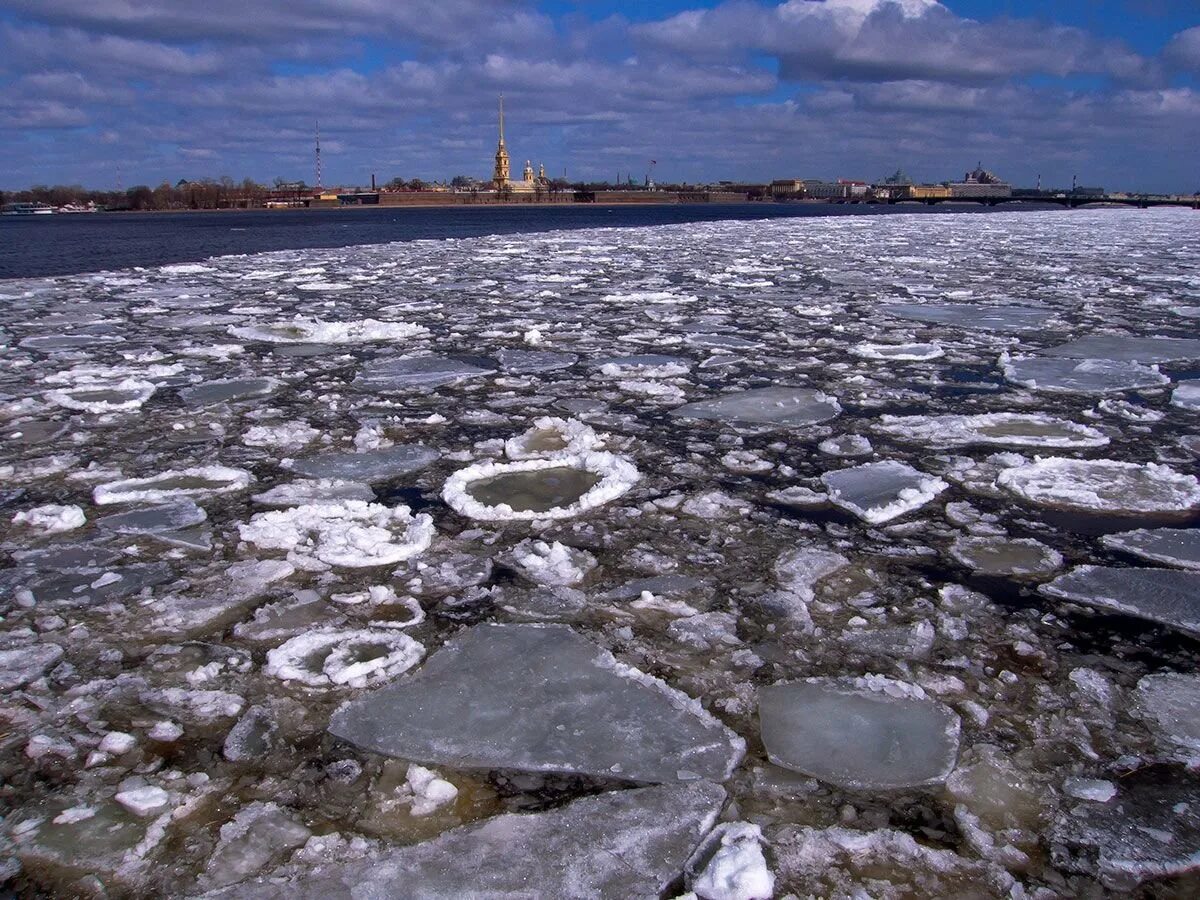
67	244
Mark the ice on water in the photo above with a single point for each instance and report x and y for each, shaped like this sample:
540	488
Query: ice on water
540	699
869	539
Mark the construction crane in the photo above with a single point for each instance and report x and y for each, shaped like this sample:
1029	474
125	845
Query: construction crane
650	175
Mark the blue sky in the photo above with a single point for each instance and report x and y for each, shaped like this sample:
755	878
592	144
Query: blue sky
153	90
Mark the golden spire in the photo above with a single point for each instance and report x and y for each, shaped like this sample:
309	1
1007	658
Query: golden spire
500	174
501	120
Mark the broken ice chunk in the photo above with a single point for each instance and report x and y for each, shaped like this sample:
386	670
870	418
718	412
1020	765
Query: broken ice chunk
1187	395
552	437
155	519
522	362
1151	829
873	735
1169	702
881	491
1167	596
386	376
51	518
351	534
899	352
321	490
729	865
539	699
618	844
384	464
21	665
970	315
782	406
258	835
227	391
1012	557
553	563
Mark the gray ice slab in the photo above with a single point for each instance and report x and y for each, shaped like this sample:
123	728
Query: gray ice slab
783	406
30	433
881	491
539	699
970	315
1151	829
1166	596
1169	703
48	343
372	466
857	738
228	391
1086	376
644	360
84	587
520	362
1133	349
154	519
416	372
72	556
1176	547
619	844
21	665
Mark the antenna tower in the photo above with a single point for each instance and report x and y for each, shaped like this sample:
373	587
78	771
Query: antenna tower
318	155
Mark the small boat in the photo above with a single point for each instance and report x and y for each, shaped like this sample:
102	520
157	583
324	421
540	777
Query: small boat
26	209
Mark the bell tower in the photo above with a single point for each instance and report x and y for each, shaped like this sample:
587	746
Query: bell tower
500	174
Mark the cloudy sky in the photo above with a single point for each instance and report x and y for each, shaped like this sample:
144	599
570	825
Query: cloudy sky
153	90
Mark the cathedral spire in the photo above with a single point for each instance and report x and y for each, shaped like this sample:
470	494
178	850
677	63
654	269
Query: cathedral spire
500	175
501	120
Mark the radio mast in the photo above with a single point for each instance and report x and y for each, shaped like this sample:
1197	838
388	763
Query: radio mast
318	155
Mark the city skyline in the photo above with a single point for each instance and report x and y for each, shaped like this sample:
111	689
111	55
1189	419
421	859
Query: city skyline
142	91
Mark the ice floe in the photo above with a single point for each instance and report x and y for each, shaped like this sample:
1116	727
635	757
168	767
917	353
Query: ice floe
540	699
1087	376
780	406
881	491
384	464
304	330
998	429
1103	487
1167	596
198	481
51	518
556	488
1176	547
354	658
417	372
350	534
630	843
870	734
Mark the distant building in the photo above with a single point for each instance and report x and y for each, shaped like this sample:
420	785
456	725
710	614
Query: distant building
826	190
979	184
787	187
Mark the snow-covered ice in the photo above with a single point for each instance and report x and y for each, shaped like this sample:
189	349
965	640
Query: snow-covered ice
881	491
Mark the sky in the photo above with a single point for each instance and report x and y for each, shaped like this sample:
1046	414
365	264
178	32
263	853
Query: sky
107	92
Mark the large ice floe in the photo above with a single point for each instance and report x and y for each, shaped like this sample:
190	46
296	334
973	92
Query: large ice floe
869	734
1104	487
709	560
999	429
1167	596
351	534
1087	376
540	699
781	406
